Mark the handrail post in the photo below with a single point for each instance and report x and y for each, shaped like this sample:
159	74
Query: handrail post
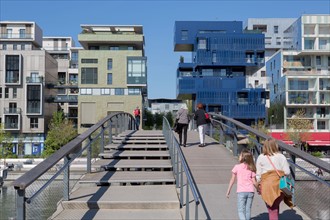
102	139
221	135
89	155
116	129
20	204
177	169
66	178
235	148
181	187
187	200
110	132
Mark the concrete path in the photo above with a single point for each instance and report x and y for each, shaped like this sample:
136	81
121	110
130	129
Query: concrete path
211	169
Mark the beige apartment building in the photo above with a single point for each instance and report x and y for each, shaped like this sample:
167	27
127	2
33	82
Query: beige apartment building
66	54
112	72
24	70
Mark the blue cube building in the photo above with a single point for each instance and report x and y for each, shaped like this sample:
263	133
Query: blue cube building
222	56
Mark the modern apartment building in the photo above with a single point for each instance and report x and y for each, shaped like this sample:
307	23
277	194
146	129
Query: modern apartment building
300	74
24	70
165	105
112	72
273	29
66	54
223	55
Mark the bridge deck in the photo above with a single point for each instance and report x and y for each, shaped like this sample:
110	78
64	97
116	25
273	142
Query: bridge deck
211	169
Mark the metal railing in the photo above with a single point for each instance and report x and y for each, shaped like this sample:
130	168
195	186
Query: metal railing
37	186
181	170
311	188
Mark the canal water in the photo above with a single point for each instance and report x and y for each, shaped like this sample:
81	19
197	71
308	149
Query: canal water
42	207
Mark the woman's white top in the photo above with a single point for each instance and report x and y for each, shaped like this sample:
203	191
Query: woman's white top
279	161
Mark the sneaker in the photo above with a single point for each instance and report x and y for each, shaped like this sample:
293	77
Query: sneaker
201	145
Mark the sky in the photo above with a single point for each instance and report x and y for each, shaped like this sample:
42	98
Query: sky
64	17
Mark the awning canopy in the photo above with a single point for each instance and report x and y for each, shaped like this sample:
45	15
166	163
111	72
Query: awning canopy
318	143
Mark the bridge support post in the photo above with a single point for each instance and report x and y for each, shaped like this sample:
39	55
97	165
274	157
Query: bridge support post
20	204
89	156
221	135
102	139
66	182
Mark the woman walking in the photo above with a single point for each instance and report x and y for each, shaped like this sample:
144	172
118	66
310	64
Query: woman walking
201	123
246	181
183	121
267	162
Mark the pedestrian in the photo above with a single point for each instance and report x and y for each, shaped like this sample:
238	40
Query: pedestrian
245	172
183	121
319	172
201	123
137	115
269	180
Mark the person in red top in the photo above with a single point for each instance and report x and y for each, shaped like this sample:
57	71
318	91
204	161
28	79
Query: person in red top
137	115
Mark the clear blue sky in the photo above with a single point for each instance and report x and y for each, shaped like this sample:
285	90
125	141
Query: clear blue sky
64	17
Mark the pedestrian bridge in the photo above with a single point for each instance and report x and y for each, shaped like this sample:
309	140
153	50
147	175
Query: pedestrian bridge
140	174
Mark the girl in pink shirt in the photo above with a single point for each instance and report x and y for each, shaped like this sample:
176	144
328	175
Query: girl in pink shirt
245	172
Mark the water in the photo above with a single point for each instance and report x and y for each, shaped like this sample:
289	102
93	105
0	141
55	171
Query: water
42	207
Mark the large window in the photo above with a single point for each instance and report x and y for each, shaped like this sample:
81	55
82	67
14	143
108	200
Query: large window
21	33
296	84
119	91
88	75
184	35
136	70
12	68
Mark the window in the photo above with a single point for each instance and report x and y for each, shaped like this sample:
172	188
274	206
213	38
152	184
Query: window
33	122
88	75
6	93
89	61
109	79
214	57
14	46
86	91
114	48
202	44
318	60
22	46
130	48
0	92
275	29
263	73
184	35
256	83
12	68
14	93
21	33
4	46
105	91
136	67
109	64
133	91
119	91
9	33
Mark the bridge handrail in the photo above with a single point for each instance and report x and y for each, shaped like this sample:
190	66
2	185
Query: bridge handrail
186	170
69	152
29	177
292	150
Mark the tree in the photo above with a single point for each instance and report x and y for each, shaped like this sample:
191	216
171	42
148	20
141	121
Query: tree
276	110
61	131
6	147
298	127
158	117
169	117
149	123
260	127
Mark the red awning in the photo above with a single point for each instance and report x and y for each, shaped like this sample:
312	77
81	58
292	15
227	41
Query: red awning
288	142
318	143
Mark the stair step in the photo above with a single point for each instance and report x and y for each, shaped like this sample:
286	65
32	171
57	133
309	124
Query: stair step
128	154
119	197
136	146
125	164
139	141
138	138
141	133
119	214
106	177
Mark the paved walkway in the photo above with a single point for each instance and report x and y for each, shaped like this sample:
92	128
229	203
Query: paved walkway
211	169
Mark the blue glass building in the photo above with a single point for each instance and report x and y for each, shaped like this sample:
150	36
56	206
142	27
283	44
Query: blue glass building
222	56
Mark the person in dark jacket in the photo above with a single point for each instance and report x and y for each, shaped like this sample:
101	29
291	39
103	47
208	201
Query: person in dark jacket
201	123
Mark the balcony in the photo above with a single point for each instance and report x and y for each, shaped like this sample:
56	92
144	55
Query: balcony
38	79
11	121
65	98
16	36
13	111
